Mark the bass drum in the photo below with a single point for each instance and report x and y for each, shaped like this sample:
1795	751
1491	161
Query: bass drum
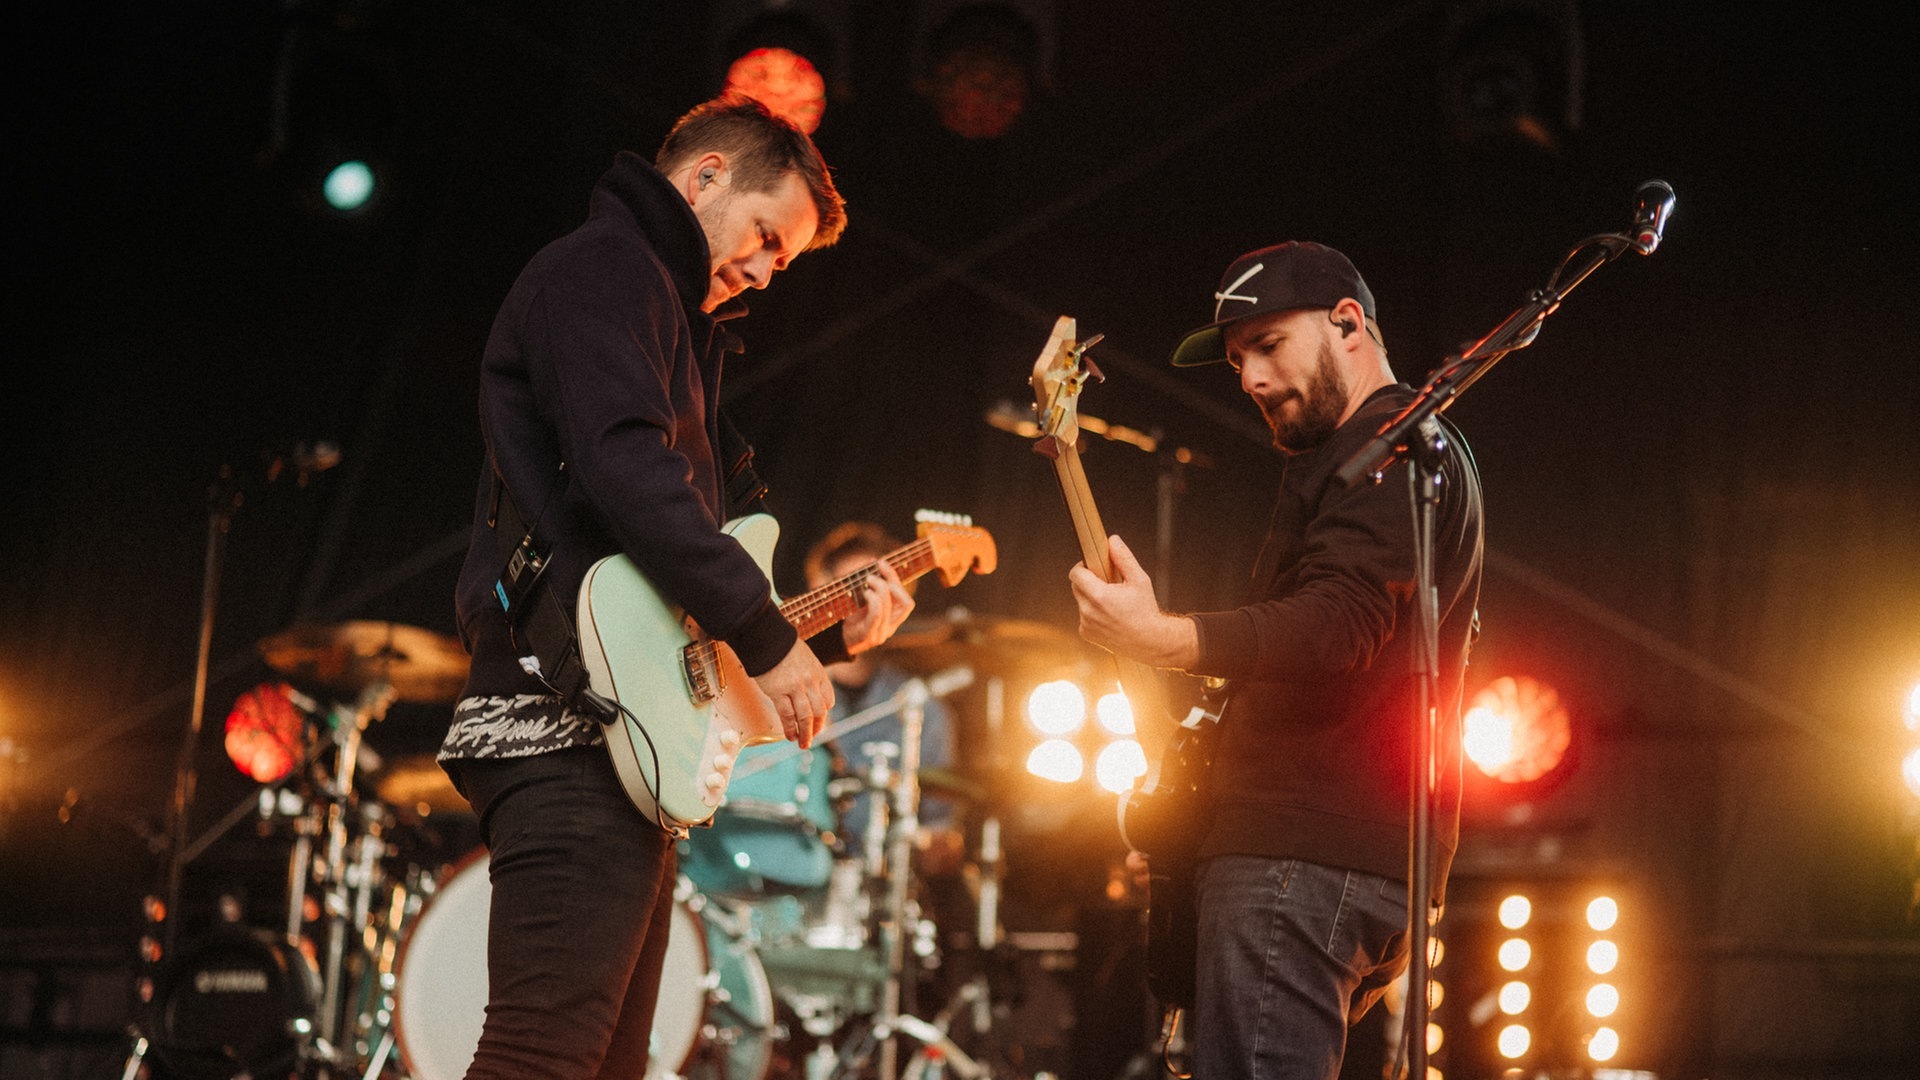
712	988
236	1003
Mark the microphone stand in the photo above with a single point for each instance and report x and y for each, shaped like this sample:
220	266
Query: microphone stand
223	499
1416	434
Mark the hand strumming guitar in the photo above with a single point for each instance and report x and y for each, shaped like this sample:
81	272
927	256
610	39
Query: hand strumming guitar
800	691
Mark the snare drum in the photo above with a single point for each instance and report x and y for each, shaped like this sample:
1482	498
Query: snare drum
236	1002
767	838
712	987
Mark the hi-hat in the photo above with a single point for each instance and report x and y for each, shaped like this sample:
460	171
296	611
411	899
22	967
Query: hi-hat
420	665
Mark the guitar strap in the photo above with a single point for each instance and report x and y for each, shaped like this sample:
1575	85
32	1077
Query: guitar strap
540	625
541	629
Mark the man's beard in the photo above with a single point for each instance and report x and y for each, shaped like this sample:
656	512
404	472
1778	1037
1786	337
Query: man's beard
1321	406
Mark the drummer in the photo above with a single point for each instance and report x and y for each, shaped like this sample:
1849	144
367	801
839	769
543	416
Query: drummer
868	680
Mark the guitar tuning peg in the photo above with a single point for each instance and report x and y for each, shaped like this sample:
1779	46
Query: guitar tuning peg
940	517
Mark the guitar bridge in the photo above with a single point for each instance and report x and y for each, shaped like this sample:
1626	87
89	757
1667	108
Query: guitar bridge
705	680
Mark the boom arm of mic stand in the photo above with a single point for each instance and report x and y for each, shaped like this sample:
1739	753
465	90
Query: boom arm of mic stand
1459	372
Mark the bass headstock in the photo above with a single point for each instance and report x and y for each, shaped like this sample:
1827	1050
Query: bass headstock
1058	376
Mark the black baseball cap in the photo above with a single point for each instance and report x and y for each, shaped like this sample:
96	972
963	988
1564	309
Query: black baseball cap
1296	274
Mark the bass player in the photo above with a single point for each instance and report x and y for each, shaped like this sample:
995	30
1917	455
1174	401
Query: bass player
1300	846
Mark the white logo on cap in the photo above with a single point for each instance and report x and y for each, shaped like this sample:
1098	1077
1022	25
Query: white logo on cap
1222	297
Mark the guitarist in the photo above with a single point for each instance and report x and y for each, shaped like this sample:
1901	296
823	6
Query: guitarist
599	391
1301	854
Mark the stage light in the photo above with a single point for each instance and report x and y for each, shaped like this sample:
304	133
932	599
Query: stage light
1513	70
1602	913
1435	994
785	54
785	82
265	733
1516	730
981	62
1603	1000
1515	954
1515	997
1056	708
1434	1038
1436	952
1057	760
1602	957
1119	764
1604	1044
1515	911
1910	770
348	186
1115	713
1913	709
335	118
1514	1040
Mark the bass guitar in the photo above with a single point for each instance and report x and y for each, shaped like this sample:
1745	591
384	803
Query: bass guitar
686	705
1160	815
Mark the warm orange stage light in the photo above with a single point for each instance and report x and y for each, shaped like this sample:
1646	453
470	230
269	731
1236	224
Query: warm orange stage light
1516	730
265	733
783	81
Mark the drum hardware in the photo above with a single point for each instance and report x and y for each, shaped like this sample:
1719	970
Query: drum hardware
339	847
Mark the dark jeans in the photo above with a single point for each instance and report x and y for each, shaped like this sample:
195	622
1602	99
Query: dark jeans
1290	953
582	897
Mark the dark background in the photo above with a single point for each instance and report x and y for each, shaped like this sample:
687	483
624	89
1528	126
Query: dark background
1703	484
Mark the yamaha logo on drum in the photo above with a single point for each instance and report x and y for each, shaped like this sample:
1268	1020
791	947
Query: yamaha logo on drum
235	981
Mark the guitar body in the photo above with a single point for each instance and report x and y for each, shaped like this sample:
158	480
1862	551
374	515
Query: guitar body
687	706
1161	818
668	746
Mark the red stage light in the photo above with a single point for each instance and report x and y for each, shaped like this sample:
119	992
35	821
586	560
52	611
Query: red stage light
266	733
1516	730
784	81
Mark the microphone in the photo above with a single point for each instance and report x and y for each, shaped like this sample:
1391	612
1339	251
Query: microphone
1652	202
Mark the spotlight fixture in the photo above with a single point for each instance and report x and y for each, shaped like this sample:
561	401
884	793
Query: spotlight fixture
266	733
981	62
785	54
1516	731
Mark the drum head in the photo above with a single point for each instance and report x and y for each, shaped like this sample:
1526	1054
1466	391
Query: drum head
235	1002
441	996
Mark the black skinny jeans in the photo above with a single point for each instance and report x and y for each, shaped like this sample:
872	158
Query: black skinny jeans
582	901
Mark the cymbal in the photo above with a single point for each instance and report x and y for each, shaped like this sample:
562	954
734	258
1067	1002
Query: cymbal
416	779
420	665
991	642
950	784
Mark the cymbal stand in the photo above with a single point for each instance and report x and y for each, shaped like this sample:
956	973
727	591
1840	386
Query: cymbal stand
900	834
891	1019
331	1033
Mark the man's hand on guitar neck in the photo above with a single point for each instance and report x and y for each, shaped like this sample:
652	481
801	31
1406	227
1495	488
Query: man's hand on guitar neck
884	605
800	691
1124	618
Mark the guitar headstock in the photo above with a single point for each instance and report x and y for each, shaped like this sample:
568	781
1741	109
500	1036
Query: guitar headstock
1058	375
957	545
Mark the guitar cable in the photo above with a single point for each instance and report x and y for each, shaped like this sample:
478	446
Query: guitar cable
652	751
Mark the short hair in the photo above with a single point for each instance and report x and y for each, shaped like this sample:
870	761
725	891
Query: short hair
763	147
852	539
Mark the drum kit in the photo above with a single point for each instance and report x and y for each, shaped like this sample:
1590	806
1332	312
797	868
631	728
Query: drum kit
795	951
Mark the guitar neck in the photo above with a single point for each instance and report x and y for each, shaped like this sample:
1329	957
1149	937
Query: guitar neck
814	611
1141	682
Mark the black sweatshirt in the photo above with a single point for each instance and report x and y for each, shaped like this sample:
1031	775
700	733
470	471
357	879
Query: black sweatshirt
1313	755
601	358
